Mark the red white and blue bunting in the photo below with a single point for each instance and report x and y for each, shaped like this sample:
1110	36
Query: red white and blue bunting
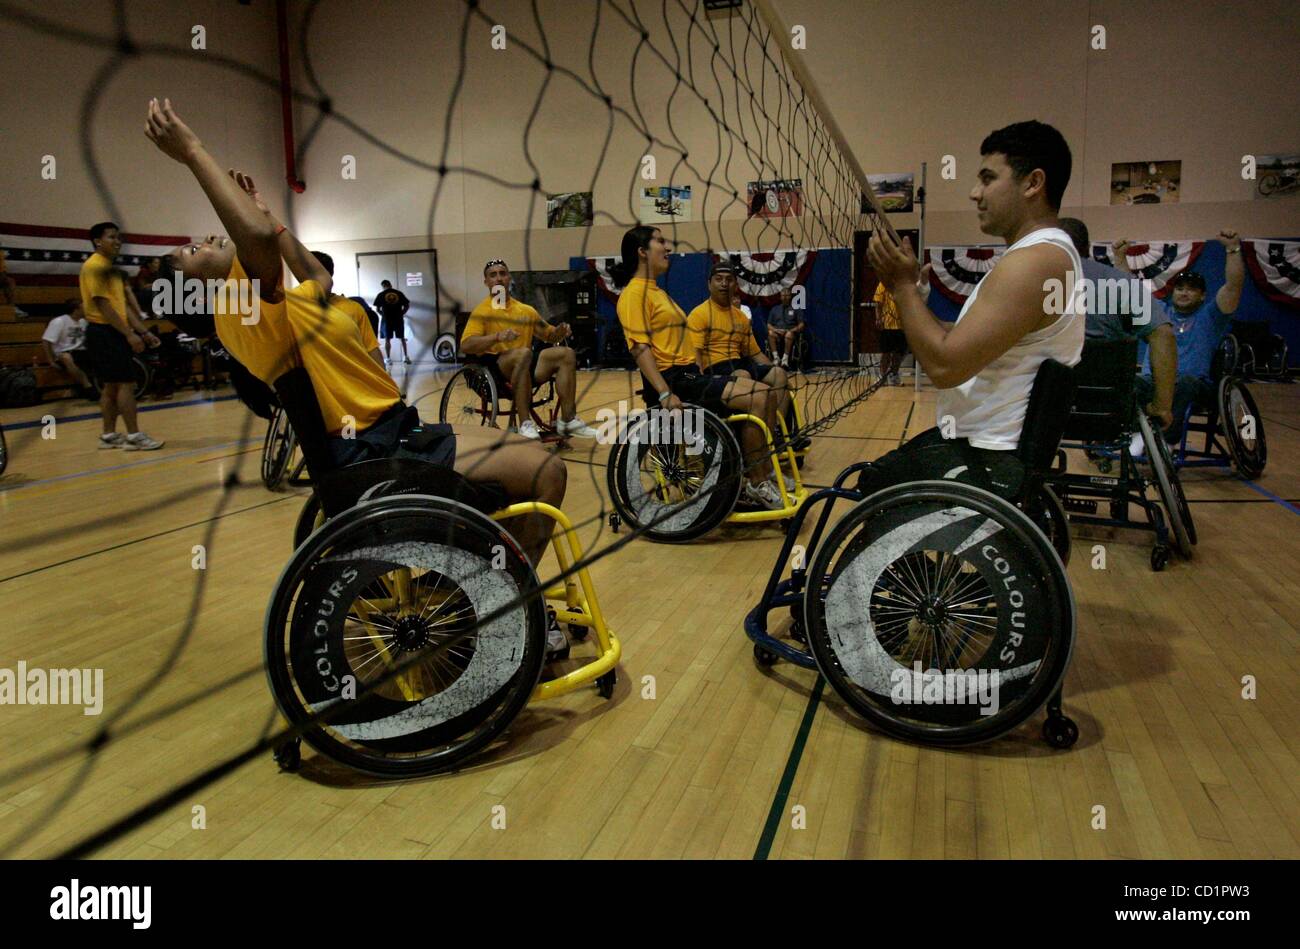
958	270
1275	267
763	276
1157	261
604	279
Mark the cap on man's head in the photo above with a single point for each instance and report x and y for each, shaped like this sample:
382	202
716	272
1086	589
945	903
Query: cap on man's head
721	266
1191	278
495	262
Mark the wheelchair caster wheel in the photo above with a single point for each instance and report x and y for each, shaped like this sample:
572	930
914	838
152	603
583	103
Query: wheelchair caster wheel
1104	465
578	633
764	657
614	521
1060	731
797	632
1159	557
289	755
1119	510
605	684
799	460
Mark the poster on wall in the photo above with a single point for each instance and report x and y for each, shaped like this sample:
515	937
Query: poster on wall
778	198
1277	175
1146	182
571	209
894	192
662	205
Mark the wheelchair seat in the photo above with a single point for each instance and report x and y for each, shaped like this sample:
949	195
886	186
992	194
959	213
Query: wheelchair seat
1102	409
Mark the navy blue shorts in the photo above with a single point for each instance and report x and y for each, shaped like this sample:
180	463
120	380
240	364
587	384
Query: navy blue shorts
398	433
757	370
705	391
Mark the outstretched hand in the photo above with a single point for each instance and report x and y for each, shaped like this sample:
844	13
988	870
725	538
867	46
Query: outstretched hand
245	183
173	137
1230	240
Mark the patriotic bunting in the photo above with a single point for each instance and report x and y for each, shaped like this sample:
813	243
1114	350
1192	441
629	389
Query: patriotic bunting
39	256
958	270
1157	261
764	276
1275	267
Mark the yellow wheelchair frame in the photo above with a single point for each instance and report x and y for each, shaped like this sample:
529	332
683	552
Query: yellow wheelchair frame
576	592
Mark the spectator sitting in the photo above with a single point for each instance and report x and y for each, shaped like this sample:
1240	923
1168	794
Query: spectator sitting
142	284
64	343
784	324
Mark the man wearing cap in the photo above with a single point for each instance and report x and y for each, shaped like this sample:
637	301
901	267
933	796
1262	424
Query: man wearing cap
1199	327
499	334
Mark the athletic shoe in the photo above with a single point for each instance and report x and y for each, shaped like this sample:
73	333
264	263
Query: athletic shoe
1137	447
115	440
557	644
764	494
141	442
576	428
785	361
789	482
529	430
407	361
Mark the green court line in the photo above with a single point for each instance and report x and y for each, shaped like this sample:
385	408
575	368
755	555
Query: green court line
791	768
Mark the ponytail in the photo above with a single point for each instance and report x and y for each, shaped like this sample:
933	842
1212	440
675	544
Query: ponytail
637	239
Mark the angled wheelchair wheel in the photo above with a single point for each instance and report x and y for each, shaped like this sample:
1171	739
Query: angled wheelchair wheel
676	473
4	451
1243	429
277	450
470	398
444	348
381	621
1169	487
1230	353
309	518
943	602
1048	514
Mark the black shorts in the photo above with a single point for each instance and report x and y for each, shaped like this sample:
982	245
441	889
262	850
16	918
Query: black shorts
893	341
687	384
394	327
931	457
398	433
493	362
757	370
110	354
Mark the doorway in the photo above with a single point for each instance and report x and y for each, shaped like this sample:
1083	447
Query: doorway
866	337
414	273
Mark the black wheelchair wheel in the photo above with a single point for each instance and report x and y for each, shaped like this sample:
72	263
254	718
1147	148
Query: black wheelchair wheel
277	450
678	471
1243	429
470	398
1048	514
1229	353
1169	487
4	451
309	518
943	601
407	580
444	348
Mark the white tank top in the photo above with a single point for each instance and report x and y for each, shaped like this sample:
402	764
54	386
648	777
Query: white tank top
989	408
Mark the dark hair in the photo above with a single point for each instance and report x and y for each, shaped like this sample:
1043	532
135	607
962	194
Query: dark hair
72	303
326	261
386	283
1078	232
495	262
637	239
1189	277
98	230
1030	145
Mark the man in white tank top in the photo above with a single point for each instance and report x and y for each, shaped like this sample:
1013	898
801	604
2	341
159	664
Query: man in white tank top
1028	308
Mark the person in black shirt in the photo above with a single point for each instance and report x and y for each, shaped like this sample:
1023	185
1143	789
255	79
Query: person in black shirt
392	306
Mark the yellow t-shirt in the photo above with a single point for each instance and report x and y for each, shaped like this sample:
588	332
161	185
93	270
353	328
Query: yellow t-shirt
650	316
100	279
721	334
358	313
486	319
300	331
886	309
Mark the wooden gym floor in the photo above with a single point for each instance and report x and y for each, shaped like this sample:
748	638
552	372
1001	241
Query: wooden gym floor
95	571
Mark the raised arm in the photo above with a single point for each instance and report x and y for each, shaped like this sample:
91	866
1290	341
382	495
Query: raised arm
302	263
1234	273
252	231
1119	253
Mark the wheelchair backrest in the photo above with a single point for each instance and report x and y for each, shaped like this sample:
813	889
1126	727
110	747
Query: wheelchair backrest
1050	402
298	399
1103	404
344	487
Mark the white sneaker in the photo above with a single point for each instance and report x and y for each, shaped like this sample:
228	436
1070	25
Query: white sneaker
576	428
113	440
557	644
764	494
785	361
789	483
529	430
141	442
1137	447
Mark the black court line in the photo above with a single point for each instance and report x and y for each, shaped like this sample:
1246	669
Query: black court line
777	810
139	540
906	423
95	416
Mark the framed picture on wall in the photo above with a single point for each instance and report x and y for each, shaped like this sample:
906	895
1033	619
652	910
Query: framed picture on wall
571	209
894	192
1277	175
1146	182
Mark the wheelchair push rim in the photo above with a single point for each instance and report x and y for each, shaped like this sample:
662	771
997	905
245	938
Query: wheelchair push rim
402	580
277	449
953	580
1243	429
470	398
1170	488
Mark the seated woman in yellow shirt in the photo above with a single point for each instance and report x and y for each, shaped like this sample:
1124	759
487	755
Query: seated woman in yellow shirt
282	330
655	329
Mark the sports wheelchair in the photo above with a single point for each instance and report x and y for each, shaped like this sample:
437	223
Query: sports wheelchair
1251	349
679	484
408	628
474	394
1102	422
925	592
1232	428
